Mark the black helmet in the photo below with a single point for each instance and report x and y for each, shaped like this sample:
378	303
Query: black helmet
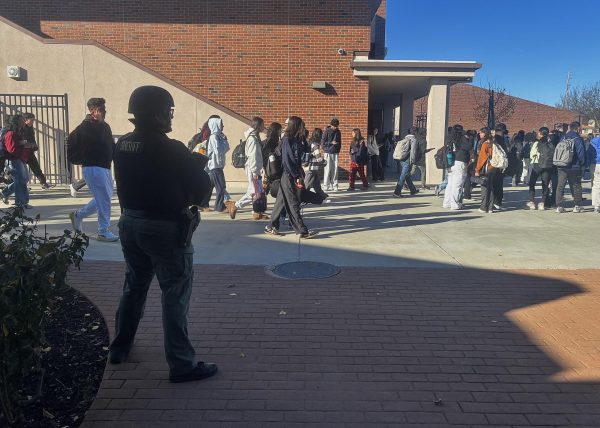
150	100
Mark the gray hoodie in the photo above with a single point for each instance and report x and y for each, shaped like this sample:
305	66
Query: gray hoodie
254	159
217	144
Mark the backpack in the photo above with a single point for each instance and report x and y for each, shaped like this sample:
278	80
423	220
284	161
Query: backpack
274	166
563	154
545	155
238	157
499	158
518	148
74	148
444	158
195	141
402	149
361	155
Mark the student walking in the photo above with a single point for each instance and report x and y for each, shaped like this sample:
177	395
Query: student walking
460	145
359	156
312	179
375	145
406	153
484	168
33	162
595	161
332	144
541	155
17	151
253	168
569	158
93	142
292	183
216	149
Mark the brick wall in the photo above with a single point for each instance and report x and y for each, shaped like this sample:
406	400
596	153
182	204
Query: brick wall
254	57
528	115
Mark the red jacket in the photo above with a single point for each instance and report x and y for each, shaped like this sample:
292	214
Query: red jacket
14	150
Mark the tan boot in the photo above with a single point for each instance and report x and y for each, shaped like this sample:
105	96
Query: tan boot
256	216
231	209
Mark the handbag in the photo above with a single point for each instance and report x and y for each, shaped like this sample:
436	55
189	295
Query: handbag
481	180
259	199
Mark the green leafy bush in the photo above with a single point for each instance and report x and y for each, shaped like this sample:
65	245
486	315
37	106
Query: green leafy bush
33	267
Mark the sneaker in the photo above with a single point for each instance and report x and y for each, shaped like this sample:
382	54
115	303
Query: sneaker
47	186
5	199
498	207
327	201
482	211
396	195
201	371
350	189
309	234
531	205
73	191
577	209
437	190
415	192
231	209
541	206
107	236
272	231
597	210
75	222
336	189
256	216
560	210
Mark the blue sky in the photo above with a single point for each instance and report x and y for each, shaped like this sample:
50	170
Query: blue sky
525	46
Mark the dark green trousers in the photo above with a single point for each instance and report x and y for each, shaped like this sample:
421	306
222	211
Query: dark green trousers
151	248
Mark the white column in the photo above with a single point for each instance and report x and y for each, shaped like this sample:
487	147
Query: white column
437	125
406	113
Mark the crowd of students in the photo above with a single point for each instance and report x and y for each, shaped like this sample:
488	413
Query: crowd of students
553	157
297	166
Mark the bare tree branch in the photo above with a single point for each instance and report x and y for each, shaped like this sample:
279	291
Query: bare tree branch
584	100
504	104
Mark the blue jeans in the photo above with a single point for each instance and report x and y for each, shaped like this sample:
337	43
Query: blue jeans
405	178
19	184
100	183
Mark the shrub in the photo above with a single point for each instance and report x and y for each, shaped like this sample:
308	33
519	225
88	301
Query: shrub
33	267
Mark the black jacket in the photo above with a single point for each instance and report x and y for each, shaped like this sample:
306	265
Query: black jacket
329	136
157	174
462	149
95	141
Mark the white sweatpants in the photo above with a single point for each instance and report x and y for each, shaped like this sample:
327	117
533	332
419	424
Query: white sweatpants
596	188
330	179
454	191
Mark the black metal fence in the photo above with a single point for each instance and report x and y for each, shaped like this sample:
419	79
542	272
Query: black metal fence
51	129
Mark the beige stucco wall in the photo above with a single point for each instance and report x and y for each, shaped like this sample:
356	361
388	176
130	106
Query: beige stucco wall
83	71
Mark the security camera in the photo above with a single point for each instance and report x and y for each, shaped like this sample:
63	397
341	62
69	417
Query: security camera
341	51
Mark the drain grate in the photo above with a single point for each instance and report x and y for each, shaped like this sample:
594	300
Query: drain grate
304	270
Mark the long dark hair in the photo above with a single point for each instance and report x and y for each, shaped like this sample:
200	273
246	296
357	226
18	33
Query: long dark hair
487	133
456	134
316	135
295	128
358	135
15	124
273	134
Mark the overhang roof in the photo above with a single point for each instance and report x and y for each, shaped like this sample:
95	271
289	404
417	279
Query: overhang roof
394	77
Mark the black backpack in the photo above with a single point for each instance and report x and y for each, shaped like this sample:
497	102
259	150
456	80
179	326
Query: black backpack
518	148
238	157
274	165
444	158
546	159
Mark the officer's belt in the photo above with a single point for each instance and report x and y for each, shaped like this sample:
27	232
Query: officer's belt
152	215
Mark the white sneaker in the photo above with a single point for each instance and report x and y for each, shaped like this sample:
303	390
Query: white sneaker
560	210
597	210
482	211
577	209
73	191
75	222
531	205
327	201
498	207
107	236
541	206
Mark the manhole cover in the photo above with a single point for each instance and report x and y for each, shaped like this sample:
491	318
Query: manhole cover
304	270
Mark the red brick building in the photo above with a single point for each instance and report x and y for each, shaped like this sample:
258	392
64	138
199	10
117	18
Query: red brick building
313	58
527	116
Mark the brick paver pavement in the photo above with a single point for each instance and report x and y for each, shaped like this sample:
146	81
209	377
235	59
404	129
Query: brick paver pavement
370	347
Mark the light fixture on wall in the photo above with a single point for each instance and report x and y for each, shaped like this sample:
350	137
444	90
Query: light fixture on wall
13	71
319	84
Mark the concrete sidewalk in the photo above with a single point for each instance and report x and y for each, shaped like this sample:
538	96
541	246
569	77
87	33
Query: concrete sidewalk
375	230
